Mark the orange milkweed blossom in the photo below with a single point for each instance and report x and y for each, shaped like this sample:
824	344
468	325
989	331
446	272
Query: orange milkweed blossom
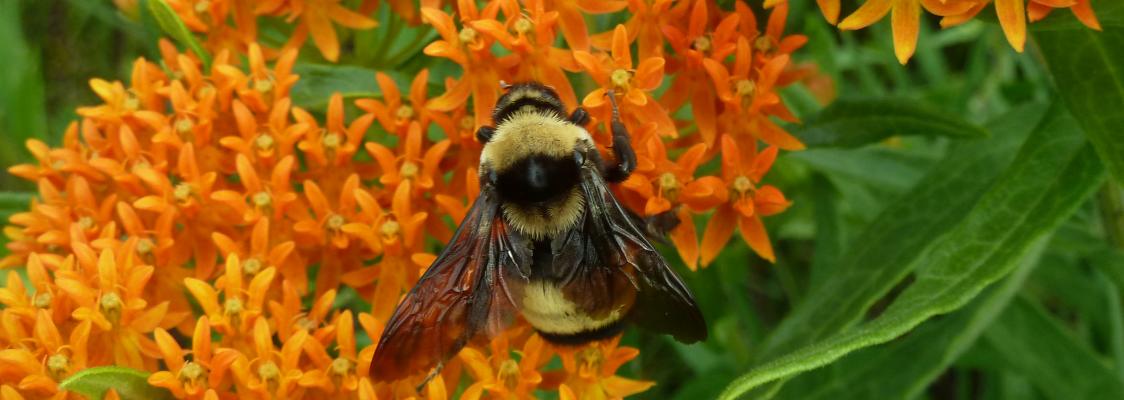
592	372
905	17
742	201
615	72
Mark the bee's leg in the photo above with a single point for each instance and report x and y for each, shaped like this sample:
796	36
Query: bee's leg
432	374
624	157
484	134
579	117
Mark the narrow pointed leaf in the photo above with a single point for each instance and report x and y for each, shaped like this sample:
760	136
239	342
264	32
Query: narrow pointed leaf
171	24
129	383
1053	173
856	122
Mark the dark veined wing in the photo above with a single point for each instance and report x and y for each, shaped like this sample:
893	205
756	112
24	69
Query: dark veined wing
608	248
466	292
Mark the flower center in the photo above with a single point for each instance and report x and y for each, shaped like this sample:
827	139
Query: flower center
742	184
668	181
202	6
745	87
408	170
269	373
182	192
251	266
191	372
331	140
336	221
42	299
263	85
341	366
85	222
404	112
389	228
184	125
145	246
523	25
701	43
264	142
467	123
763	44
590	359
110	305
132	103
467	35
261	199
620	78
57	365
509	374
232	306
305	323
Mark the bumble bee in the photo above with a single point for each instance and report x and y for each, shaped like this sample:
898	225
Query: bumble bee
545	240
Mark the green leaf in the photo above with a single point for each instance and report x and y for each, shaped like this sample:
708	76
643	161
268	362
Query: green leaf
884	252
856	122
129	383
1088	68
1037	346
1053	173
171	23
319	81
901	369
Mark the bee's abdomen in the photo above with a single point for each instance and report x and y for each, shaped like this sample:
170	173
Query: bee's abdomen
560	320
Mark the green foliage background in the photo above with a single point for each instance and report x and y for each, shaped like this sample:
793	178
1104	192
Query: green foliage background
957	222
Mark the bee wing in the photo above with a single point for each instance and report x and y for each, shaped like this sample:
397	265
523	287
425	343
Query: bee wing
608	244
464	293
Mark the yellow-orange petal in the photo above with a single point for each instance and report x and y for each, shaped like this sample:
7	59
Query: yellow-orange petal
870	12
1084	13
718	231
649	74
350	19
1012	18
753	232
323	34
686	239
906	19
769	200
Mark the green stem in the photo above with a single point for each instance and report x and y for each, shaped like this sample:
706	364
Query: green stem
1110	202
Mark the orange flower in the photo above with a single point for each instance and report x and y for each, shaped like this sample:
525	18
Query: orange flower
272	372
260	254
338	374
749	93
240	306
317	17
691	82
665	185
114	304
336	142
258	200
413	165
44	359
197	378
500	375
471	50
616	73
592	372
743	202
394	115
529	36
572	20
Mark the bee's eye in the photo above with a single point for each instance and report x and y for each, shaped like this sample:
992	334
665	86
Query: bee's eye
579	158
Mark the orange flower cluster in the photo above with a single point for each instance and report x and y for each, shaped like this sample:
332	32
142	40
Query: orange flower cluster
905	15
200	218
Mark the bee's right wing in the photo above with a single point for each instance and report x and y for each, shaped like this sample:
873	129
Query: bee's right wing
466	292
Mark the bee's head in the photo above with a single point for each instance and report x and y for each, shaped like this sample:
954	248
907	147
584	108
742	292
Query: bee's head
538	179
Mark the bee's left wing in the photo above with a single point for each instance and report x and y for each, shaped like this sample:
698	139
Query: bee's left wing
463	294
609	246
